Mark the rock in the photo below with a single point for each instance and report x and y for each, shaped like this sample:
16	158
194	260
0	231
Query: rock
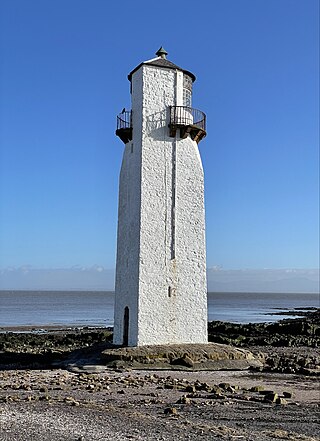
266	392
170	411
257	389
183	361
224	386
303	331
203	386
231	389
280	400
271	398
287	394
190	388
227	387
216	389
184	400
209	356
71	401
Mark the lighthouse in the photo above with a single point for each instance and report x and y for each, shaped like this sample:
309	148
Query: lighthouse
161	288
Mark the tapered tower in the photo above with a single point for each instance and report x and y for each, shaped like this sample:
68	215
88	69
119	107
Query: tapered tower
161	289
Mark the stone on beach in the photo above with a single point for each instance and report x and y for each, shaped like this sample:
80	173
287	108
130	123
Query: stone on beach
212	356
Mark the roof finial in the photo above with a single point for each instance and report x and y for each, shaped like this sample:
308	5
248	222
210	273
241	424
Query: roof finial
162	53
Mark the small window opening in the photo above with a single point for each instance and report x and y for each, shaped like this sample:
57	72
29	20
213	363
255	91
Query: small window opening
132	148
187	97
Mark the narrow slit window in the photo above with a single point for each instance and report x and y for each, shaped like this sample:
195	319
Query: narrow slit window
187	98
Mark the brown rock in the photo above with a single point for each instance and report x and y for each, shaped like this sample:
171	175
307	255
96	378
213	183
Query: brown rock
170	411
184	400
257	389
216	389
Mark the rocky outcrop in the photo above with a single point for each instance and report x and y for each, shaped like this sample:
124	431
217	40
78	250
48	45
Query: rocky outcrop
47	349
299	361
287	346
210	356
40	341
285	333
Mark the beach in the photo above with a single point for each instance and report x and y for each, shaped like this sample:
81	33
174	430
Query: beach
56	385
106	405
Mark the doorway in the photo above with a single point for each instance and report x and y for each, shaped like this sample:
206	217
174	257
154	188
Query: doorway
125	340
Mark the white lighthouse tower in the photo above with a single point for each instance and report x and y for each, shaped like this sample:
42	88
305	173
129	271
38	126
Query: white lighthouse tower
161	289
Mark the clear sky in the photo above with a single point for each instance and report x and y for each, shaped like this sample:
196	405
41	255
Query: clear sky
64	66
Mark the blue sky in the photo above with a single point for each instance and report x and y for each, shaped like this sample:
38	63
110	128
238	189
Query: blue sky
63	79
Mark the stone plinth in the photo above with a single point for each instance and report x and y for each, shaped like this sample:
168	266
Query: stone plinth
212	356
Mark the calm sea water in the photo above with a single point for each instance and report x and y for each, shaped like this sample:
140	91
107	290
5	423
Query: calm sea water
84	308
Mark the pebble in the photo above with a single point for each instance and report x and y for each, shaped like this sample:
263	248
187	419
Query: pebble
170	411
184	400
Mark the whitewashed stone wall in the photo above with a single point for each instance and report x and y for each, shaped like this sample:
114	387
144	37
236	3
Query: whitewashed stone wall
161	262
128	243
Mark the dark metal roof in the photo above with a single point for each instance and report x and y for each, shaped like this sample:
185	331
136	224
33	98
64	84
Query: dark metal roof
162	52
162	62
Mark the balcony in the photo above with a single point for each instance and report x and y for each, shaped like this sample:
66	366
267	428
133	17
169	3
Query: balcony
190	122
124	126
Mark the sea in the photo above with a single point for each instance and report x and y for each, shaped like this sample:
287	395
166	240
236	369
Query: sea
95	308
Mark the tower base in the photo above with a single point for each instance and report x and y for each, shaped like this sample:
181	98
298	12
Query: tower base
194	357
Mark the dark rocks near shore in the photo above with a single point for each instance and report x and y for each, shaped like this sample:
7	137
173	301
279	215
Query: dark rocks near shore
282	353
47	349
287	346
52	341
296	332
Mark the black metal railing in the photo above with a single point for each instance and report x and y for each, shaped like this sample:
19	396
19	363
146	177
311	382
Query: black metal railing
187	116
124	126
124	120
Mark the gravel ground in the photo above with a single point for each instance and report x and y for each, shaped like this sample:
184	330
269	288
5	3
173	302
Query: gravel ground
102	404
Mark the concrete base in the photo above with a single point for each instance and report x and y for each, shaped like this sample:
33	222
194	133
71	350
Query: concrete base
211	356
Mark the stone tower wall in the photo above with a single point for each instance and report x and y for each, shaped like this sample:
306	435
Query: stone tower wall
161	267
